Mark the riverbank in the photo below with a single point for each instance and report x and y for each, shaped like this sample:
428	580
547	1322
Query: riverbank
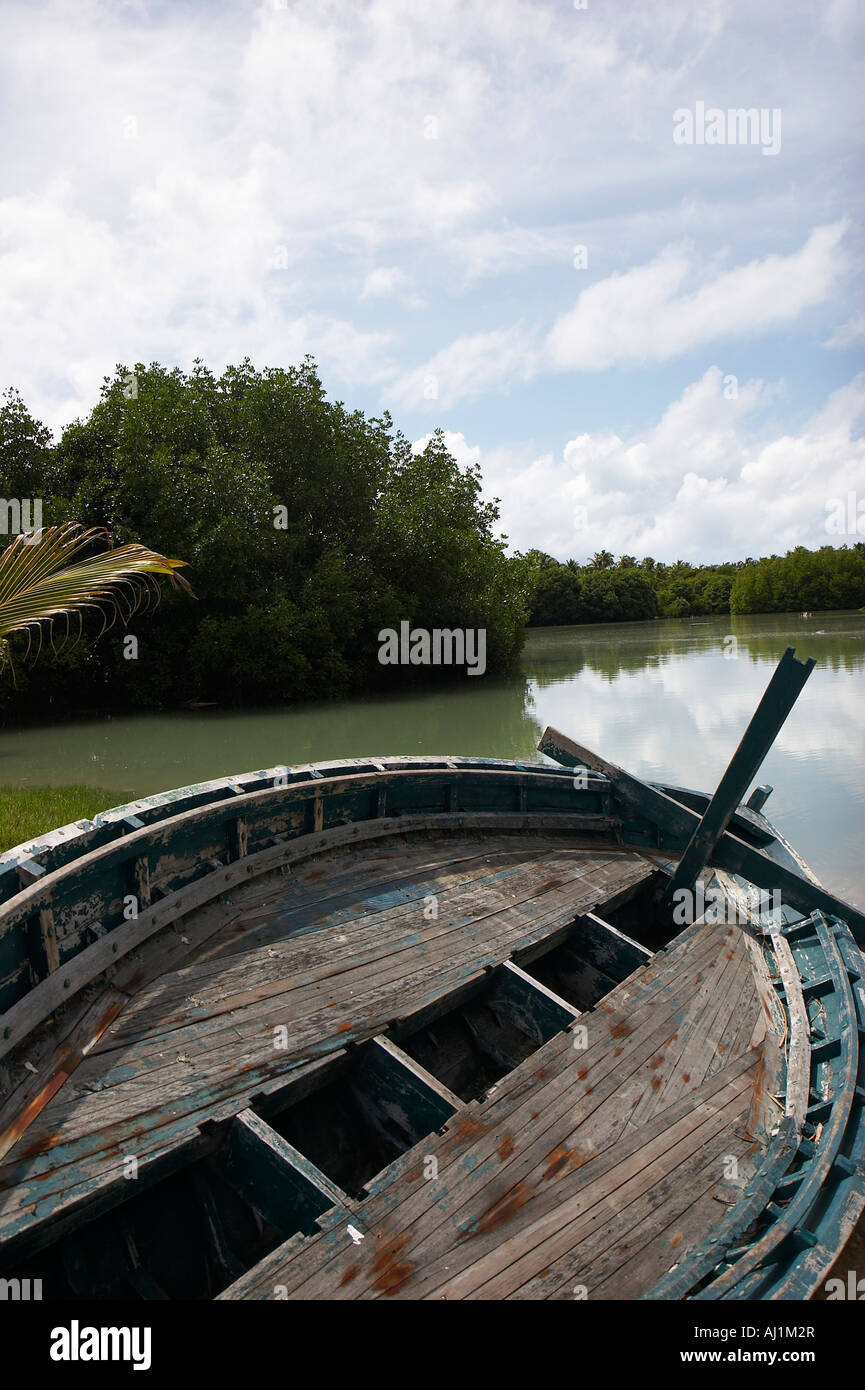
28	812
668	700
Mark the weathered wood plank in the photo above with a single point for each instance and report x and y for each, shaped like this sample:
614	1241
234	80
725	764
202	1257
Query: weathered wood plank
799	1042
56	1065
512	1240
650	1223
547	1114
538	1009
106	1112
404	1089
375	935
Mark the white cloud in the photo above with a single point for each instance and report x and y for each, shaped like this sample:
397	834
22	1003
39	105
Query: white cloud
645	315
383	282
703	484
470	365
641	316
848	334
258	181
390	282
456	444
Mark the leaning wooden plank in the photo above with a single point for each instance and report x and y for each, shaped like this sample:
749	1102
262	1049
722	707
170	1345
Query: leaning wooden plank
766	722
679	823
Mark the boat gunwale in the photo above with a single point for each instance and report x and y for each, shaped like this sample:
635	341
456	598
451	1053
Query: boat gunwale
232	797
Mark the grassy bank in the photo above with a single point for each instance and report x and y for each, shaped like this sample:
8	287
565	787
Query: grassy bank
27	812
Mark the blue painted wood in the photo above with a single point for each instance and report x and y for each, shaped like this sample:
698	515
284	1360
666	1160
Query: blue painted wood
274	1178
839	1199
759	796
744	821
197	827
533	1007
755	1269
400	1088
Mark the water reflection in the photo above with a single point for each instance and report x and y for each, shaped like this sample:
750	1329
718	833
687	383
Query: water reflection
837	641
141	754
668	700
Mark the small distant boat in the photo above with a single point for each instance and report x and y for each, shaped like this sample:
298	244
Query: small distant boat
805	615
443	1027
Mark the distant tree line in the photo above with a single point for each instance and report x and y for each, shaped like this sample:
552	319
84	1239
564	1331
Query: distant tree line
606	589
306	528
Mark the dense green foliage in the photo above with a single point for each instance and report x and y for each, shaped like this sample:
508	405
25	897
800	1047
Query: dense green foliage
306	528
606	590
816	580
568	594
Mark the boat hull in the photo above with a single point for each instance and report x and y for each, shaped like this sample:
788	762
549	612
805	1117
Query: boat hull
413	1028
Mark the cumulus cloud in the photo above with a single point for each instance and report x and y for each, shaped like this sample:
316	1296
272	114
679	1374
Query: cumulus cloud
390	282
706	482
456	444
476	363
644	315
398	188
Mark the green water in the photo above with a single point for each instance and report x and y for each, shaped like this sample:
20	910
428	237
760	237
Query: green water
667	700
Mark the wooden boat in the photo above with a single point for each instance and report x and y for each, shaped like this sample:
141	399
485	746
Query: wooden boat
430	1028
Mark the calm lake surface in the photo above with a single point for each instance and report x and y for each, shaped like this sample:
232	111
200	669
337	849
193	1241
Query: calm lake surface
667	700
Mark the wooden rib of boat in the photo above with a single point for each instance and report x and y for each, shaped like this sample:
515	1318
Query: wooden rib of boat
429	1028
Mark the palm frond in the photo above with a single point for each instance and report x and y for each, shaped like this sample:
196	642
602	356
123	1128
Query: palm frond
47	574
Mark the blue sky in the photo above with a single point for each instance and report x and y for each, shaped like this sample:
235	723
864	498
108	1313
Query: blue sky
401	188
